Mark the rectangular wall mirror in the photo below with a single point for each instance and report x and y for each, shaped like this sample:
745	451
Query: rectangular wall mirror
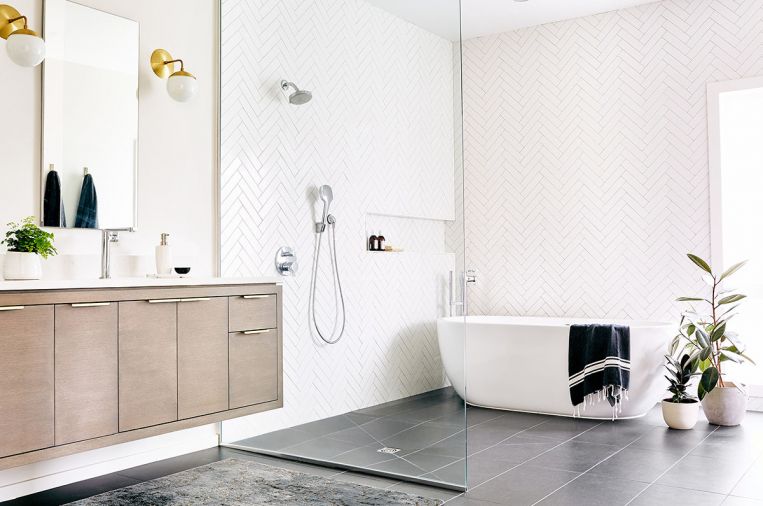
90	118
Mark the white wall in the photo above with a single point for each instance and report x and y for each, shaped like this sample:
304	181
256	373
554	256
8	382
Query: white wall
380	130
177	158
176	192
586	156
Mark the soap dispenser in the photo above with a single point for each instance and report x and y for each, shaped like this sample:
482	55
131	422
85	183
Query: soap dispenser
164	262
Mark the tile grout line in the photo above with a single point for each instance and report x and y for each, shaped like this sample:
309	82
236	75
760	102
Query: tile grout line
672	466
759	458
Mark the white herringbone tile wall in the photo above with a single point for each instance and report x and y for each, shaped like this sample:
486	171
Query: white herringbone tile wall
586	166
380	130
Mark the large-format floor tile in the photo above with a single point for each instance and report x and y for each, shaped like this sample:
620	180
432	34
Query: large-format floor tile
522	486
751	484
706	474
575	456
277	440
517	449
679	442
592	490
619	433
636	465
741	501
561	429
323	448
660	495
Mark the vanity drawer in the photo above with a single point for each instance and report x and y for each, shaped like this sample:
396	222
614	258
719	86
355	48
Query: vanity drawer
253	312
253	367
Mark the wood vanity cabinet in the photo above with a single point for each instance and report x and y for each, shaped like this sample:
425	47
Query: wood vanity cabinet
87	368
26	378
86	357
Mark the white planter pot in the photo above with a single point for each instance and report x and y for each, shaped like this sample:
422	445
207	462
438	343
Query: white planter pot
725	406
22	266
680	415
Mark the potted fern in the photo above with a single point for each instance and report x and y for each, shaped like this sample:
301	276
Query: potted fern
26	243
682	409
705	336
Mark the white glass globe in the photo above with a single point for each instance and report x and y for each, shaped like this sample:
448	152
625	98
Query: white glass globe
25	49
182	87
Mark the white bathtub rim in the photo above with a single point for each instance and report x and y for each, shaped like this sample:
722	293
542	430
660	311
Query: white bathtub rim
561	415
548	321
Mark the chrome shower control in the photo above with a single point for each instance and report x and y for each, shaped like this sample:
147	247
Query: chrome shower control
286	262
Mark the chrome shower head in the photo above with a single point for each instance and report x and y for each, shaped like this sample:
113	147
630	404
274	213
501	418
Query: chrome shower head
299	97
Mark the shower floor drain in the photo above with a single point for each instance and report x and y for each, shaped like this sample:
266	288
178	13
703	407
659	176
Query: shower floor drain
388	450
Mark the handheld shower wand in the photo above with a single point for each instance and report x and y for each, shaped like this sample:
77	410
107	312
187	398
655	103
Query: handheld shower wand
327	195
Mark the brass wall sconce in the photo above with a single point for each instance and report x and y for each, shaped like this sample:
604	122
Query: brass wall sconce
24	46
181	85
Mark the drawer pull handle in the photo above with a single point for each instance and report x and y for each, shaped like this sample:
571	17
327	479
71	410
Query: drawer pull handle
251	332
162	301
92	304
256	296
11	308
195	299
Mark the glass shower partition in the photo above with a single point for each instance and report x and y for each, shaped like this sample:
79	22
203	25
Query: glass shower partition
341	149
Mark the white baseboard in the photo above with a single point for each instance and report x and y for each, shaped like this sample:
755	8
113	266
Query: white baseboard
53	473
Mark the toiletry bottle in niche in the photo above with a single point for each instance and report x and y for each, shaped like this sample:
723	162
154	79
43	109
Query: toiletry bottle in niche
373	241
164	262
380	241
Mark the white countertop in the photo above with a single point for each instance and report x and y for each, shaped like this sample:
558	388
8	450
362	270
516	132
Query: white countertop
73	284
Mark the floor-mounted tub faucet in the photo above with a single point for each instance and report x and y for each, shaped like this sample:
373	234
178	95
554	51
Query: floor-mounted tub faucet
470	276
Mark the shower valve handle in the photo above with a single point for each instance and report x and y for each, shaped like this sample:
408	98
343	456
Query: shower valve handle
286	262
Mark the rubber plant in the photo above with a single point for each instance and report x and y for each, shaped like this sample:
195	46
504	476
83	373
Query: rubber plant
681	371
29	238
703	333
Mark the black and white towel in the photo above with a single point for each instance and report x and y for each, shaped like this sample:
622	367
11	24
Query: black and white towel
599	360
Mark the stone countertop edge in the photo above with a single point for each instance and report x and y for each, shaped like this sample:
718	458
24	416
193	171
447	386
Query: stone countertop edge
75	284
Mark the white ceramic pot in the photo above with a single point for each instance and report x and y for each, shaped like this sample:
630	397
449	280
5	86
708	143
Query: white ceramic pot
22	266
680	415
725	406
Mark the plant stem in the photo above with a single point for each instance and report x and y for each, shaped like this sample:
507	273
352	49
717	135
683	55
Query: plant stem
717	358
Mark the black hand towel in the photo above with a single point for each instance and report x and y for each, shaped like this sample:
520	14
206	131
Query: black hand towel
599	364
53	205
87	210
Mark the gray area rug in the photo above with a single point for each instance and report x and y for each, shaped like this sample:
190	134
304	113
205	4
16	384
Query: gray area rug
238	482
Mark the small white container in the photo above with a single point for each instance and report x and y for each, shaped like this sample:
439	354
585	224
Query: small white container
22	266
680	415
164	262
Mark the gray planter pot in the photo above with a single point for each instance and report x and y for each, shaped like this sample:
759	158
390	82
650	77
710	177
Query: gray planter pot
725	406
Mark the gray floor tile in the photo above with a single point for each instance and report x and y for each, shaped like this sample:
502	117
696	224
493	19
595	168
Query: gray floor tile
636	465
421	436
704	473
320	448
454	446
660	495
575	456
428	461
513	422
327	425
355	435
678	442
476	416
592	490
741	501
751	484
277	440
382	428
619	433
361	457
400	467
561	429
365	479
522	486
479	438
517	449
465	500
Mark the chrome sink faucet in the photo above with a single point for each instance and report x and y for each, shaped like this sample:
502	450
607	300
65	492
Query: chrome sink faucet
109	237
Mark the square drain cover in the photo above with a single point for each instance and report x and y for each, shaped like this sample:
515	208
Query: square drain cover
388	450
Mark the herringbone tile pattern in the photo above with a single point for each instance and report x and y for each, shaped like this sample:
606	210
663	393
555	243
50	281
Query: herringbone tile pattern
586	165
380	131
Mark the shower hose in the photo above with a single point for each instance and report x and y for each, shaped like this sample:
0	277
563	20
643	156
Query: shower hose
334	336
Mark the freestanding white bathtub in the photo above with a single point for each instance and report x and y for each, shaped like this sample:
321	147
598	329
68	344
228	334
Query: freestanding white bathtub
520	363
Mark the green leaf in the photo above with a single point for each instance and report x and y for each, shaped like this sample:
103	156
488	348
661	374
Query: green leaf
718	332
731	299
702	338
707	382
689	299
731	356
700	263
731	270
705	353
